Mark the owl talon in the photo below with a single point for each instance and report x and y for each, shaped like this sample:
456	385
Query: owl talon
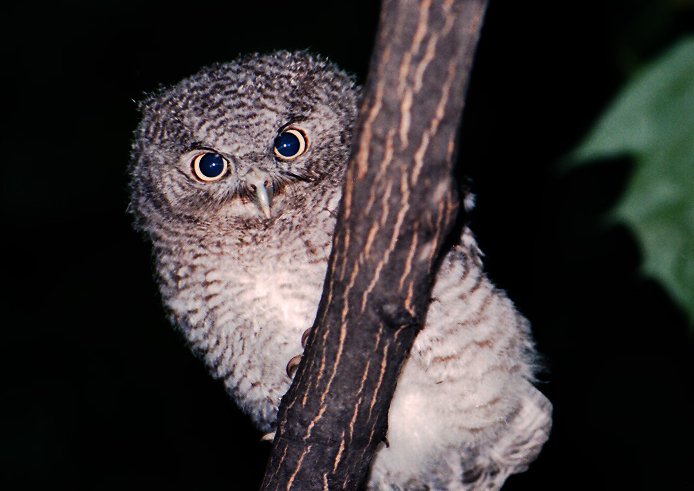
268	437
304	337
292	365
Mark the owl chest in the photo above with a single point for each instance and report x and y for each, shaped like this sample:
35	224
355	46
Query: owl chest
268	295
244	303
277	295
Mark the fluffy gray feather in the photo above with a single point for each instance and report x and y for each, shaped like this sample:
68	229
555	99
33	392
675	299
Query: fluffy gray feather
241	234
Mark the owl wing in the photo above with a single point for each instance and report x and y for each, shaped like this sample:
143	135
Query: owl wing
517	446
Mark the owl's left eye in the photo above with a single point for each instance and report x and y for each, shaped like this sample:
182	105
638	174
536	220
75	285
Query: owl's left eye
290	144
209	166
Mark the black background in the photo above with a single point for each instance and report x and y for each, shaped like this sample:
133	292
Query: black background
100	393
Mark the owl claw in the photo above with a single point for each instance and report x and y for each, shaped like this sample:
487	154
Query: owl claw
292	365
294	362
268	437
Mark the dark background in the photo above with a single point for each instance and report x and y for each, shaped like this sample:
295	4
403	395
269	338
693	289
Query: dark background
100	393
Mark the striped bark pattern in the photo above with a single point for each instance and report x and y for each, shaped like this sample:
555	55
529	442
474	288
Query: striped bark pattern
398	206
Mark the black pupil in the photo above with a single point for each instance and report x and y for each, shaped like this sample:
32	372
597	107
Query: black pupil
287	144
211	165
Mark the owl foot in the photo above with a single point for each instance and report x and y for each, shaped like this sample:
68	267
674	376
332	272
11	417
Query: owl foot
294	362
292	365
268	437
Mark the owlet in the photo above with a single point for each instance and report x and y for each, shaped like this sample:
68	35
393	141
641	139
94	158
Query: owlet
236	177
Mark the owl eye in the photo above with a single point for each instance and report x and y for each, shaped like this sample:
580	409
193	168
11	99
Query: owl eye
209	166
290	144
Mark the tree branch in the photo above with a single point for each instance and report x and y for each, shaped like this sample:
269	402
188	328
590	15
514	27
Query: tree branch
399	204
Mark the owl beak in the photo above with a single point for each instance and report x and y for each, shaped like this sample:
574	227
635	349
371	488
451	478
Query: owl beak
259	183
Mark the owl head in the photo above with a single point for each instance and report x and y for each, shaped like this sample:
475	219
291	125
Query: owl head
242	142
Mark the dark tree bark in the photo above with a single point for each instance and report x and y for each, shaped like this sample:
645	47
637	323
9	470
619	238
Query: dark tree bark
399	205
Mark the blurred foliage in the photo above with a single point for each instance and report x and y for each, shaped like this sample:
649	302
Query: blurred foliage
652	121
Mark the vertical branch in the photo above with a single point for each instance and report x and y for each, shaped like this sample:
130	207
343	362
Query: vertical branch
399	204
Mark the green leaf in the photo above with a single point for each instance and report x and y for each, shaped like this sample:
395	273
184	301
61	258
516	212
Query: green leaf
652	121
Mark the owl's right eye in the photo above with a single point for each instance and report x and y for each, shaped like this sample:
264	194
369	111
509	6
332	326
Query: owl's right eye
209	166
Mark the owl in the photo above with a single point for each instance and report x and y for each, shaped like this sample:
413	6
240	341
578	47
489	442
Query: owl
236	177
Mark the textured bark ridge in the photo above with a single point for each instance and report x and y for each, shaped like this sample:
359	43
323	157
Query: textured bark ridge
398	206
